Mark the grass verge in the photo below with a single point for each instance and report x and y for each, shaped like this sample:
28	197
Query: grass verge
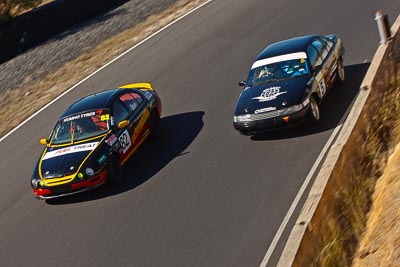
340	219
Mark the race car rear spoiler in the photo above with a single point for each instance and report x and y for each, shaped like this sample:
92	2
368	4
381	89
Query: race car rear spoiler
138	86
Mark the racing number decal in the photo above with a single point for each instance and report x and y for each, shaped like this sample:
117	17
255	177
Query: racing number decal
125	141
321	87
105	117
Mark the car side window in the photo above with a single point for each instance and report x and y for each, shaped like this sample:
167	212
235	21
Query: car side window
120	113
131	100
315	59
321	48
328	43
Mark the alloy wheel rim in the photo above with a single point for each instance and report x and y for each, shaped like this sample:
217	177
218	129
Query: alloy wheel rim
341	71
315	111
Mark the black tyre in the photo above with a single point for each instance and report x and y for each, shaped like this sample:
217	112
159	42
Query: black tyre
155	127
340	74
114	171
314	110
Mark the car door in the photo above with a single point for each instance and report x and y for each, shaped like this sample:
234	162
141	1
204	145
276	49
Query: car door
329	60
120	113
133	108
318	54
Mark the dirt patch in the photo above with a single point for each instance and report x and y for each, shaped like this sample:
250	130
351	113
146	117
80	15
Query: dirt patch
380	245
33	96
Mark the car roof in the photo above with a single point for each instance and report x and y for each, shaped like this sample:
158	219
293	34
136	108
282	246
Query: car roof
293	45
99	100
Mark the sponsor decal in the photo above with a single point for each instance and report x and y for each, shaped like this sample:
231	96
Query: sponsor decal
83	115
148	95
269	94
102	159
264	110
271	60
333	69
110	141
70	150
140	124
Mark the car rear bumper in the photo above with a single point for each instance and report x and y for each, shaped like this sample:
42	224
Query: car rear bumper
70	188
265	125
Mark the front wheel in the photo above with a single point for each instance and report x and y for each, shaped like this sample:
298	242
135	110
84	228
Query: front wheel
314	112
114	171
155	127
340	71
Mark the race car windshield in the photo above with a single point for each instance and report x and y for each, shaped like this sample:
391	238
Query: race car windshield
277	71
81	126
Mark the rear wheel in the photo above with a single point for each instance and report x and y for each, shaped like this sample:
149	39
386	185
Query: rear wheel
114	171
340	71
155	127
314	112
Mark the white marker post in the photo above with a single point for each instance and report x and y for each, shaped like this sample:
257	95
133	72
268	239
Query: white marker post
383	26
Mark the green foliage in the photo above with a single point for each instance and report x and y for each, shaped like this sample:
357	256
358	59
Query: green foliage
12	8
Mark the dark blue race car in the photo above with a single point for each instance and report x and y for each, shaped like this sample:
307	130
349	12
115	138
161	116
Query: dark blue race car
287	82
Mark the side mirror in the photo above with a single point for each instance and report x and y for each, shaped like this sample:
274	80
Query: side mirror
242	83
123	124
43	141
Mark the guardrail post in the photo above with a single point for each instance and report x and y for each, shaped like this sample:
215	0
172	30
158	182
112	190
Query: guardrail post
382	21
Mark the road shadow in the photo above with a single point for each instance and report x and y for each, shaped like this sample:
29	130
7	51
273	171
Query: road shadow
178	132
337	101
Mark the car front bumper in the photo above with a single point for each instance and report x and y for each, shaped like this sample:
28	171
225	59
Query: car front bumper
264	125
70	188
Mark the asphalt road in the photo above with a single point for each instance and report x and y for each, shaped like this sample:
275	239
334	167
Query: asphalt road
202	195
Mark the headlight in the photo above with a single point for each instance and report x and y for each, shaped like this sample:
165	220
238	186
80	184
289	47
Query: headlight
290	110
243	118
89	171
35	182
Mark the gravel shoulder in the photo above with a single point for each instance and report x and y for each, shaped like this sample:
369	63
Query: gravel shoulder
37	76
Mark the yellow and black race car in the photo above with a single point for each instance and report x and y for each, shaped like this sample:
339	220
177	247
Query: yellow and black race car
93	138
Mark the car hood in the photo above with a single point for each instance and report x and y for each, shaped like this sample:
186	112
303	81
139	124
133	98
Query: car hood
272	96
66	160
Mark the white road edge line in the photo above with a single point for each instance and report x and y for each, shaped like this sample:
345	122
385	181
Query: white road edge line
303	187
103	67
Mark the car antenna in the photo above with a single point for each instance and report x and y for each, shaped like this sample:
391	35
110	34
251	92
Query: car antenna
91	82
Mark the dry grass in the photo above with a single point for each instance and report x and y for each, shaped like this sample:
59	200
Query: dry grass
380	245
345	222
341	217
9	10
32	96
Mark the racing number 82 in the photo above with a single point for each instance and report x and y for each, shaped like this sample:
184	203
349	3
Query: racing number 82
124	141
